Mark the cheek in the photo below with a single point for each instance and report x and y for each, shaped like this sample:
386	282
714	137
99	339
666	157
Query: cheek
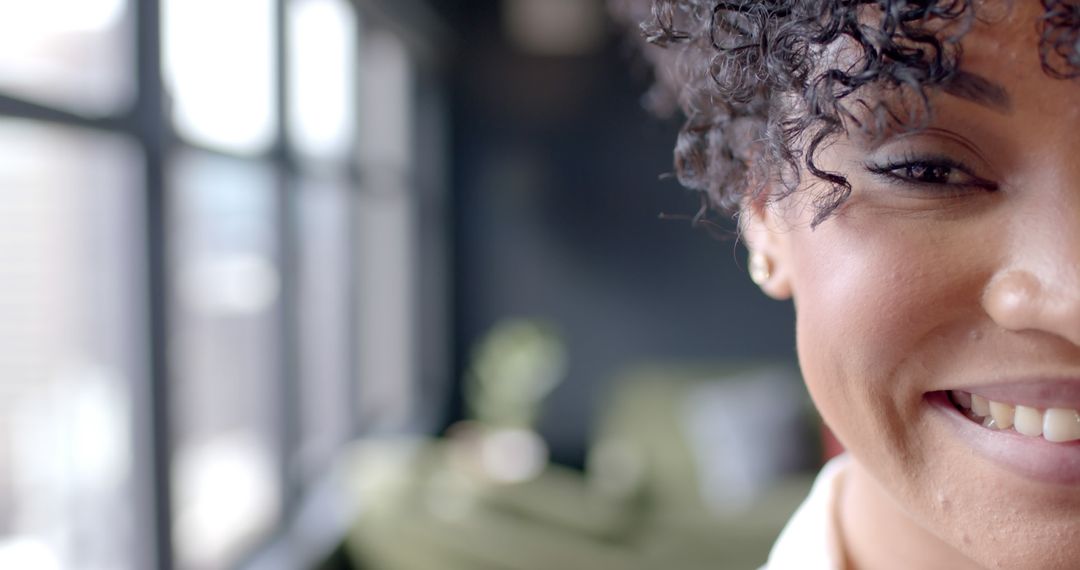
874	302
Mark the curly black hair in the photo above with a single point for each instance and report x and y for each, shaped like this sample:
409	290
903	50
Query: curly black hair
759	99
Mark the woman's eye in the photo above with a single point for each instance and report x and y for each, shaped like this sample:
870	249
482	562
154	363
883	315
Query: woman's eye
938	172
927	173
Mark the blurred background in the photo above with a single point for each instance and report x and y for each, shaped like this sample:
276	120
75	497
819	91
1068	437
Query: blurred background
370	284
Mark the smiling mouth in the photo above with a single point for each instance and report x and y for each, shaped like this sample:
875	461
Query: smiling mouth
1058	425
1022	427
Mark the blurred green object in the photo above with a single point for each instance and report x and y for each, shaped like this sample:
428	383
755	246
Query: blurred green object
513	369
437	504
426	511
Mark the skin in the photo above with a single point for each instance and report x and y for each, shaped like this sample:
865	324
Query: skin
914	288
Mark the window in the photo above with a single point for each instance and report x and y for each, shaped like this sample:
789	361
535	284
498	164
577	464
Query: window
69	345
388	211
226	265
71	53
322	86
192	252
326	285
219	68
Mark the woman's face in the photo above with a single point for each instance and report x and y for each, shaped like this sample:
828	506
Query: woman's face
967	281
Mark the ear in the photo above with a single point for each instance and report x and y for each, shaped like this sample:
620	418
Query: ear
762	229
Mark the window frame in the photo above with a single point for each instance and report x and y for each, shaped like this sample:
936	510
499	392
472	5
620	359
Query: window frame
147	124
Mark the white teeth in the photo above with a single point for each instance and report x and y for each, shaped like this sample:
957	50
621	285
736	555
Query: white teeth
1003	414
1029	421
1054	424
1061	425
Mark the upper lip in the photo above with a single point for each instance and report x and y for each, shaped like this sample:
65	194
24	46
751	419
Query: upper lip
1058	392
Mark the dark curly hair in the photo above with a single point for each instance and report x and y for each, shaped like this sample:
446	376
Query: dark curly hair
759	99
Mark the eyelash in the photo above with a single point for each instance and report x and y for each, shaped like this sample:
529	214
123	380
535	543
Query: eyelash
887	172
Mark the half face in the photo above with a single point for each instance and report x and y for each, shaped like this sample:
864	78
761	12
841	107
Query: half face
939	317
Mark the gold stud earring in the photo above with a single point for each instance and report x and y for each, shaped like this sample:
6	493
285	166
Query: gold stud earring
760	268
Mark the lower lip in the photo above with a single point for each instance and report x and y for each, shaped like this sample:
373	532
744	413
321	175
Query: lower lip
1030	457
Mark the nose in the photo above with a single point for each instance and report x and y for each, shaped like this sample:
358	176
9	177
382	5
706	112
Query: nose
1039	288
1020	300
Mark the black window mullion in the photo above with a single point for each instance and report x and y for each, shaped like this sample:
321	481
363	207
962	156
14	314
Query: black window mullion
152	423
13	106
352	300
289	252
354	179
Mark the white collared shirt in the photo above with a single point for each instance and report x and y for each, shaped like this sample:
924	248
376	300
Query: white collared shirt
810	540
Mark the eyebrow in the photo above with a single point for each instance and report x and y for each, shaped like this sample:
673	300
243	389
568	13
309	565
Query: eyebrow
979	90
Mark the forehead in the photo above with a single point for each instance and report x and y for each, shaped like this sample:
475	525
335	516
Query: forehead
1004	42
1000	79
1003	47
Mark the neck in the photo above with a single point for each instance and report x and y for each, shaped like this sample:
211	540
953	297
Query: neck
876	533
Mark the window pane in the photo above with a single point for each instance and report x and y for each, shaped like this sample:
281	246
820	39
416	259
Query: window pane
386	98
386	313
322	67
325	333
70	346
387	236
72	53
219	68
225	357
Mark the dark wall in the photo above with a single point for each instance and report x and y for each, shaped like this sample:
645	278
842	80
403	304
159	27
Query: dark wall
557	194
